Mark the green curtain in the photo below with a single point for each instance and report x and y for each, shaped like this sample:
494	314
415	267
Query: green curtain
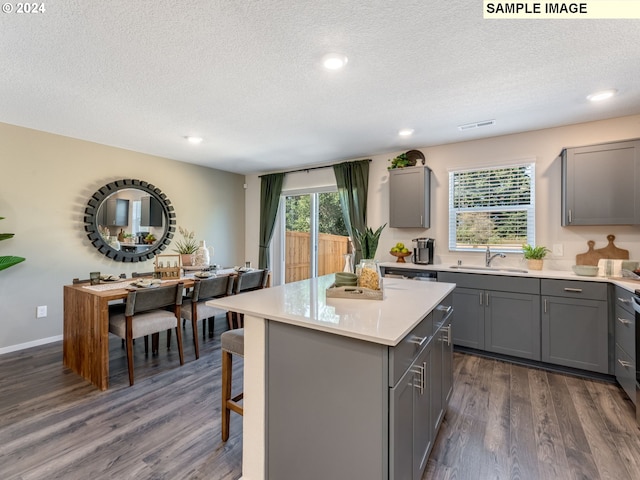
353	183
270	190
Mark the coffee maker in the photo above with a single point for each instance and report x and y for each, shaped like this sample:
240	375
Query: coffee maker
423	251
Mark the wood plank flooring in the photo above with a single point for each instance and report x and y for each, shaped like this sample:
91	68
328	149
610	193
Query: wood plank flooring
504	421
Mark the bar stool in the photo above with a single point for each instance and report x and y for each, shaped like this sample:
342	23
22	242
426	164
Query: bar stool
232	343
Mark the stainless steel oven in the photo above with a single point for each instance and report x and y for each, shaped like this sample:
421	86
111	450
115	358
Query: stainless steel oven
636	308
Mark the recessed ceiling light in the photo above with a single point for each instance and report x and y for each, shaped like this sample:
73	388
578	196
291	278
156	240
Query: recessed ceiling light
194	140
406	132
334	61
603	95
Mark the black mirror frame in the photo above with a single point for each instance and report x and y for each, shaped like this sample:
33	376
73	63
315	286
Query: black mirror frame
91	226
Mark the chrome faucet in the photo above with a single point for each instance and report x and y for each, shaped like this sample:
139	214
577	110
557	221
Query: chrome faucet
488	257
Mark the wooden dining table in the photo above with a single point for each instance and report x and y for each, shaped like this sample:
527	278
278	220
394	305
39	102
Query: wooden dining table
85	343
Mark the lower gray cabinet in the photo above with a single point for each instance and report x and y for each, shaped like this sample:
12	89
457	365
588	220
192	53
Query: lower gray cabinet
575	324
503	316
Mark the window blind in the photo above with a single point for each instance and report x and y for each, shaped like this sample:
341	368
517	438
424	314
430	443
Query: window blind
492	206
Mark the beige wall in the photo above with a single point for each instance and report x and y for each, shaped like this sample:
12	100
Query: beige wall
46	181
541	146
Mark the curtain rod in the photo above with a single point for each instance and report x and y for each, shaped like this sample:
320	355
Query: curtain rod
308	169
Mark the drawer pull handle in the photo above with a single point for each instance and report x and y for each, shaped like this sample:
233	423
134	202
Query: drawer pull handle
574	290
419	341
624	364
624	300
420	371
624	321
447	332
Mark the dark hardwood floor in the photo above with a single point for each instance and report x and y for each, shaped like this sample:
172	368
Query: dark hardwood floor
504	421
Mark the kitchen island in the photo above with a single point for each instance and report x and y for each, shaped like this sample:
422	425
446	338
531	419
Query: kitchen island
343	388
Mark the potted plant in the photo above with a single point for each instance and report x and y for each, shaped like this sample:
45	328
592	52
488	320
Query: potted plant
401	161
534	256
368	240
8	261
187	246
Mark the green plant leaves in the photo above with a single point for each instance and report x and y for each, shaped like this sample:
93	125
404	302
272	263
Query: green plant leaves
368	240
6	262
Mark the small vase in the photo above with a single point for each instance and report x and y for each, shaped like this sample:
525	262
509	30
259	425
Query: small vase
534	263
202	257
186	259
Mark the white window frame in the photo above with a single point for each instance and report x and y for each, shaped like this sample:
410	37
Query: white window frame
528	208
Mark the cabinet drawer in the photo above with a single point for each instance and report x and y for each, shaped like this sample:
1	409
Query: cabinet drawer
626	330
574	289
499	283
624	299
402	355
625	369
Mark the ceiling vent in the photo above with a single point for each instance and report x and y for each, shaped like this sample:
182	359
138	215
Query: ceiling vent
471	126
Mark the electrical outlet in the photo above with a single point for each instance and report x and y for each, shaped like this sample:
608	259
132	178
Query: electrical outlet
41	311
558	251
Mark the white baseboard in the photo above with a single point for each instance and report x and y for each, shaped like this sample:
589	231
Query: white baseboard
35	343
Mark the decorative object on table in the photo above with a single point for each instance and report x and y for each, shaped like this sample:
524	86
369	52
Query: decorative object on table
534	256
8	261
369	274
149	239
94	277
187	246
202	257
345	279
400	251
348	263
167	266
368	240
585	270
592	256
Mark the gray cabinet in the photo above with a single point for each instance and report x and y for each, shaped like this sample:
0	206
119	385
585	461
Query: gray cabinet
409	197
625	342
601	184
366	406
115	212
498	314
151	214
575	324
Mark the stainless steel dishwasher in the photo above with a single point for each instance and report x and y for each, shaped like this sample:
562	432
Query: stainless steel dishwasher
410	274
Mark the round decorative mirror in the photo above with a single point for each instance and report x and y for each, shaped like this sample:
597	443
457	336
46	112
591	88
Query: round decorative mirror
129	220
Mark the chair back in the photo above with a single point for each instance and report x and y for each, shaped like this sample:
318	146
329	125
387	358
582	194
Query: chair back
211	287
254	280
143	300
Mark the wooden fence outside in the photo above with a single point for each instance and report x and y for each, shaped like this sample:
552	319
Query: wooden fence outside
331	251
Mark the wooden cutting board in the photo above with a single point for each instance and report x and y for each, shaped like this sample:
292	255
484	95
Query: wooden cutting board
611	251
591	256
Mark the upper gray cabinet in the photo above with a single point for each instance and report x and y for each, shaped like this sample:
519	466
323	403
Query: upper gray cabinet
601	184
409	197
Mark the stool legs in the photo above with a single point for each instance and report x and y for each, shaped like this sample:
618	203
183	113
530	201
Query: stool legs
228	403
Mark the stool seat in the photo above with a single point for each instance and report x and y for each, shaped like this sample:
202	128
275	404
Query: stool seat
232	343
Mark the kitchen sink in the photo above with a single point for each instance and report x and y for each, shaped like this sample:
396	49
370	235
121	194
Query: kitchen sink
488	269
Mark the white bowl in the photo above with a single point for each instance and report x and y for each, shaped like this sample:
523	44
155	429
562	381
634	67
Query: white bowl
585	270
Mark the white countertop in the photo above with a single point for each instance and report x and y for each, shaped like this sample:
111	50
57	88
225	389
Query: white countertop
630	285
305	304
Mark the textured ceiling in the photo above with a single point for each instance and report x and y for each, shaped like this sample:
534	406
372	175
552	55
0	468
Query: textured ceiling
246	76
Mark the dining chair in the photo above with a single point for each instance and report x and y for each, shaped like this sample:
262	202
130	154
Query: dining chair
146	313
246	282
195	307
232	343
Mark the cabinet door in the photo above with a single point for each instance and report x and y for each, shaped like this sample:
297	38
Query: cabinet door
422	431
512	324
409	193
401	428
601	184
574	333
117	212
468	318
151	214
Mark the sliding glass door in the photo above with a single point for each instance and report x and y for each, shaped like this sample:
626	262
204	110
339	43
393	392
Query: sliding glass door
313	237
